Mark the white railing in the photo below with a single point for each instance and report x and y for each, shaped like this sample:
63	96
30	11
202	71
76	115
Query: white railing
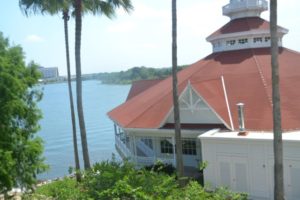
122	147
144	161
143	147
140	160
263	4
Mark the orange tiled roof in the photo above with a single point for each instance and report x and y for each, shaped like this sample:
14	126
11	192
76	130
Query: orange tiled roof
139	86
247	78
242	25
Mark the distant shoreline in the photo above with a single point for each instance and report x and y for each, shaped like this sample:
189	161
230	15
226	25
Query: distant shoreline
122	77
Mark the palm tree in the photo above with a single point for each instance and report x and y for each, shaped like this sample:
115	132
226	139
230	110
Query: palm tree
106	8
54	7
66	18
179	161
277	142
85	151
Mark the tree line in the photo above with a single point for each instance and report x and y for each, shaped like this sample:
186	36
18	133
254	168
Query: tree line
132	74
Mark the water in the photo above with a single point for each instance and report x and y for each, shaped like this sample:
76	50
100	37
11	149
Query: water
56	126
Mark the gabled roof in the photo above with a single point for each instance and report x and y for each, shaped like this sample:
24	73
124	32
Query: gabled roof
247	79
140	86
243	25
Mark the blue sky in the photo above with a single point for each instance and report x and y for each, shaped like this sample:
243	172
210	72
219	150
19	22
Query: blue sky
142	38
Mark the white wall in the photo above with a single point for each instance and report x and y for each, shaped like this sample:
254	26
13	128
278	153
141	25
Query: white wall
247	166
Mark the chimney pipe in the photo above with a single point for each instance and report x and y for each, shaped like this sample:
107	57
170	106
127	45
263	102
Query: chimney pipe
242	130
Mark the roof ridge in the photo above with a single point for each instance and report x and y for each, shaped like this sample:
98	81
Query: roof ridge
262	77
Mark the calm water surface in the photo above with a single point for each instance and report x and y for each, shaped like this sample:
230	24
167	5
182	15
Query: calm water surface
56	127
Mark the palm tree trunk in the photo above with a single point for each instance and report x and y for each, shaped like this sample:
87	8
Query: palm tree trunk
77	164
179	161
277	142
78	26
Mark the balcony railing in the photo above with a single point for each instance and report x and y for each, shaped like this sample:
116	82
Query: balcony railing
122	147
149	159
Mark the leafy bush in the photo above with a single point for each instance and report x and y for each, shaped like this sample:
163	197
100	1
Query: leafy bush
104	176
104	181
111	180
161	167
193	191
65	189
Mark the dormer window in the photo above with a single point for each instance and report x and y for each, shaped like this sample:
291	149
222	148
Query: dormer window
243	41
230	42
267	39
257	40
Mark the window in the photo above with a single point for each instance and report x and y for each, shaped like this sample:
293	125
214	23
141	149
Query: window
166	146
267	39
257	40
230	42
243	41
189	147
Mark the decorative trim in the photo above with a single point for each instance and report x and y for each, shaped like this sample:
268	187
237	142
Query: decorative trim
227	103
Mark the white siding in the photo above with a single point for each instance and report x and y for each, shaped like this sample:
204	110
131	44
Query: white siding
247	166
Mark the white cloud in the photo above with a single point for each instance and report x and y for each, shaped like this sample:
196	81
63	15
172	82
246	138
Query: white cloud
34	38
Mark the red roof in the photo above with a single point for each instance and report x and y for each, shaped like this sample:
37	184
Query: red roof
242	25
247	78
140	86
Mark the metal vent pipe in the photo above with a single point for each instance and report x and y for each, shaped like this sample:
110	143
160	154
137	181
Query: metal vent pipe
241	116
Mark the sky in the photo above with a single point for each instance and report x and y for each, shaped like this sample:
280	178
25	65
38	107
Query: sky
141	38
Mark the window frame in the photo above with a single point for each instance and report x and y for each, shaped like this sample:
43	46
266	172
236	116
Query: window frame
166	147
189	147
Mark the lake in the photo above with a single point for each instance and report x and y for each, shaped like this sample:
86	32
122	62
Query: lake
56	125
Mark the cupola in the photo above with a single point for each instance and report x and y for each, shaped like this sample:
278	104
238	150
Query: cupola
246	29
245	8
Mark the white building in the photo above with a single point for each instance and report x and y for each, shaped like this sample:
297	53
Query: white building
49	72
238	71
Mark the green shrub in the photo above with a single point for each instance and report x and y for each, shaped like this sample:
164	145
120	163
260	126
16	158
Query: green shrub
104	176
123	191
224	193
161	167
65	189
112	180
193	191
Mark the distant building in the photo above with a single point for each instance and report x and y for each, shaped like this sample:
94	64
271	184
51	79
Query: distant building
49	72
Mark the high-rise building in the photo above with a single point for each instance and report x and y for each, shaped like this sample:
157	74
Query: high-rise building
49	72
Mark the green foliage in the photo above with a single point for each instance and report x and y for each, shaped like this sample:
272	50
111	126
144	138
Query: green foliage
116	181
62	189
134	74
203	165
103	176
193	191
20	149
223	193
159	167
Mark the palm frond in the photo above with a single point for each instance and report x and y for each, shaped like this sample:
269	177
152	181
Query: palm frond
51	7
